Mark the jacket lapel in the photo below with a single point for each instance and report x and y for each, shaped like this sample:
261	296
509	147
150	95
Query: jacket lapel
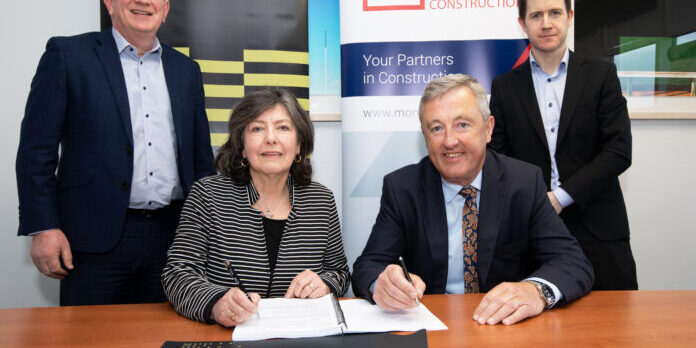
577	70
107	54
494	194
525	90
435	225
173	82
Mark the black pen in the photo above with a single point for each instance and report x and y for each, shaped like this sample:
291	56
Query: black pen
408	277
236	279
239	283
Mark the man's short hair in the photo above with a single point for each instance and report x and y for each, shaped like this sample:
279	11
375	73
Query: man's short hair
522	7
442	85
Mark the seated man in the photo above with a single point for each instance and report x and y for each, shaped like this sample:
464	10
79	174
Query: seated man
467	220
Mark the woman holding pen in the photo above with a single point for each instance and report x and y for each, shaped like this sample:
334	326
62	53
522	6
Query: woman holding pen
260	227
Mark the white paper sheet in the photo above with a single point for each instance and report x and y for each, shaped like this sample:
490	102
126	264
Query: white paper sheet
294	318
290	318
362	316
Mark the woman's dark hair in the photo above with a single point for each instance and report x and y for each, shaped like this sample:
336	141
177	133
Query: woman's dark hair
228	160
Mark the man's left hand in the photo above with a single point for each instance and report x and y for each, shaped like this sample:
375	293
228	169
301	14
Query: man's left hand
509	303
555	203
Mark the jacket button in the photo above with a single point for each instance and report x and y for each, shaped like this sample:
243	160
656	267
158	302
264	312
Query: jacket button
129	150
124	185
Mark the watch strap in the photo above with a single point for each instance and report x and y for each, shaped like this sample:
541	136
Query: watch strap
545	292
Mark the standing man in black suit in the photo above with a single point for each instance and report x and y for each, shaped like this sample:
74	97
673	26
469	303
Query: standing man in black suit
468	220
565	114
128	116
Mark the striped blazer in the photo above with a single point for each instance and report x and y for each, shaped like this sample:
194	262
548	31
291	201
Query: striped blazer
218	223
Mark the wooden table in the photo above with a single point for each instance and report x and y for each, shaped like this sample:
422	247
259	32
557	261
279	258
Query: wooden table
605	318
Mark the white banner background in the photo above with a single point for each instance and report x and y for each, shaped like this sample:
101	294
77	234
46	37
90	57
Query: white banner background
381	130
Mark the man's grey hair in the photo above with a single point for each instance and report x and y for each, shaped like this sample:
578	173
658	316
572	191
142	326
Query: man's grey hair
442	85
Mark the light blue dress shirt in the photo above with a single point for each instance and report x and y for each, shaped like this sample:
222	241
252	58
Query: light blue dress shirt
155	172
549	89
454	205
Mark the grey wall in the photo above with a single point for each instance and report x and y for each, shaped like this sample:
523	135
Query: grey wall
660	194
659	189
26	26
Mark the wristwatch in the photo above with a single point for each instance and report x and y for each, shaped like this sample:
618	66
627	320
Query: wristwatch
545	292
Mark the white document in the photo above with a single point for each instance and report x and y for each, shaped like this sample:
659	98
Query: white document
325	316
362	316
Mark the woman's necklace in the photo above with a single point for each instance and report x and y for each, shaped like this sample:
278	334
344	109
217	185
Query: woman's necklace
268	204
268	210
267	213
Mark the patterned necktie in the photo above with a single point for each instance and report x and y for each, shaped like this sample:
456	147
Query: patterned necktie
470	234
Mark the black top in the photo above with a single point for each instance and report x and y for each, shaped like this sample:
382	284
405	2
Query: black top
273	229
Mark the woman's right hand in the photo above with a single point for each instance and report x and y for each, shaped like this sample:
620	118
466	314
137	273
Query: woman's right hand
234	307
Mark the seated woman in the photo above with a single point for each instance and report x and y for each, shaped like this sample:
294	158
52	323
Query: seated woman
278	230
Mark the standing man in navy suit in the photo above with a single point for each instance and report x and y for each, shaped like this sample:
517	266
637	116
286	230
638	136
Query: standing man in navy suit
114	135
565	113
469	220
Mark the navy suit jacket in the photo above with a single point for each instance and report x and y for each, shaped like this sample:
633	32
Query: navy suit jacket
78	101
519	233
593	145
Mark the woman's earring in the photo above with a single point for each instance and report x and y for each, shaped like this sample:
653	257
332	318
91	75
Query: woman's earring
244	162
298	158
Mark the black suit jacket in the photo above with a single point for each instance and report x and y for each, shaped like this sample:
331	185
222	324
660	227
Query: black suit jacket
593	145
519	234
78	101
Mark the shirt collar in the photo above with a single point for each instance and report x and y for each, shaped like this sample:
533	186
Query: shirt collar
450	190
122	44
561	67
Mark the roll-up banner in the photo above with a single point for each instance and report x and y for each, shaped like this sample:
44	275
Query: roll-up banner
390	50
